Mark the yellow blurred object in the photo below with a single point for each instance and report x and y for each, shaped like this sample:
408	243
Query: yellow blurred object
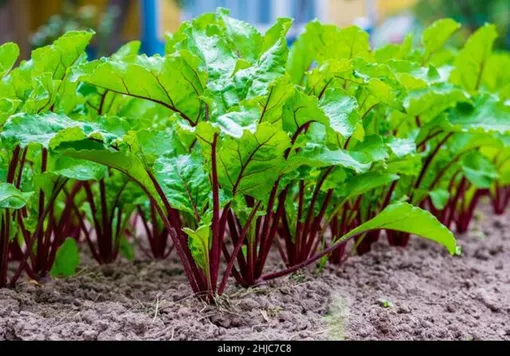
170	18
387	8
343	12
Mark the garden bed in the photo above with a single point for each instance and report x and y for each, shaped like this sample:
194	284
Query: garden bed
391	293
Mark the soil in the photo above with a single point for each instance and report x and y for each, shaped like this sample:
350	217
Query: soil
416	293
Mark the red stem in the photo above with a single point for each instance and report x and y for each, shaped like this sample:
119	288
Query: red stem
237	248
216	242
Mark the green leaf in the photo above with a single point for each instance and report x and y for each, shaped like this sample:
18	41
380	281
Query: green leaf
303	50
363	183
409	165
204	38
436	35
246	116
319	157
7	108
49	130
414	76
147	143
302	109
250	165
472	60
486	115
384	93
401	147
11	197
67	259
439	198
78	169
174	81
395	51
185	182
199	243
326	42
124	162
244	37
249	113
275	32
479	170
497	76
331	74
127	249
428	103
257	79
351	42
127	50
62	54
407	218
9	53
373	148
341	110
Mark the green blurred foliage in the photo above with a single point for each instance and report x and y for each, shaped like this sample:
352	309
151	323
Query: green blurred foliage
77	15
471	13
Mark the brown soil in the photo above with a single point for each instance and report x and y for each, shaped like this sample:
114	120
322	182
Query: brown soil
391	293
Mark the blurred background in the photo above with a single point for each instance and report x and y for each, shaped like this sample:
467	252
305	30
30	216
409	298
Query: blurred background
35	23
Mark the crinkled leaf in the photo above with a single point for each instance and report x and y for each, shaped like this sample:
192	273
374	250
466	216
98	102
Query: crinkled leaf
257	79
401	147
340	109
50	129
23	129
319	157
487	114
78	169
497	76
127	50
373	148
250	165
244	37
302	109
303	50
174	81
185	182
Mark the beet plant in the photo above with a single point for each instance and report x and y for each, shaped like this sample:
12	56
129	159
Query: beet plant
243	151
231	147
35	90
11	200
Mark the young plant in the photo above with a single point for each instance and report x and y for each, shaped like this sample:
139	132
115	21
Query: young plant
155	232
108	207
11	200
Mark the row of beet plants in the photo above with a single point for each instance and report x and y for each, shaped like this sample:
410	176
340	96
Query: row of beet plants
232	147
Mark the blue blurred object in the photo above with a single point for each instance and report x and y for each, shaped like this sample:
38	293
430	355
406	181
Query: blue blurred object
151	44
91	52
